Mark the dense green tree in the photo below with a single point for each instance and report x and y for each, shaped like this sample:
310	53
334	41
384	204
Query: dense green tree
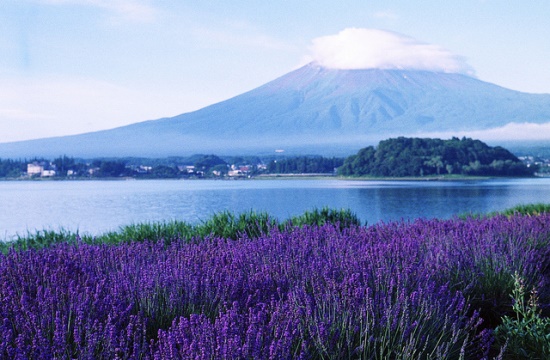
419	157
12	168
111	168
64	163
164	172
304	165
219	170
206	162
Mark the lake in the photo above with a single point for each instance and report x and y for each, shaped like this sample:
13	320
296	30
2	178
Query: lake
94	207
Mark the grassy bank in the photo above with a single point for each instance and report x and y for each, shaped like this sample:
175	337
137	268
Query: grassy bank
226	225
527	209
523	209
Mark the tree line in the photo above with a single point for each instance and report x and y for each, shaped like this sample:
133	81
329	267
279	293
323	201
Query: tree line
196	166
398	157
304	165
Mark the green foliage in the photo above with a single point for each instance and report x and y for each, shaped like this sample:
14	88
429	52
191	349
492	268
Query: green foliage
304	165
146	231
230	226
206	162
528	209
345	217
111	168
164	172
527	334
11	168
225	225
63	164
40	240
219	170
421	157
525	209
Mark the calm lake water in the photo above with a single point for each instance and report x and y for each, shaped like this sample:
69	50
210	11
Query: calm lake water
94	207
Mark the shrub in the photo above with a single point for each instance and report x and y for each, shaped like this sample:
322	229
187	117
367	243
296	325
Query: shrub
529	209
344	217
527	335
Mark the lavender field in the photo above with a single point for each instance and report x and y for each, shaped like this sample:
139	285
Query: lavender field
427	289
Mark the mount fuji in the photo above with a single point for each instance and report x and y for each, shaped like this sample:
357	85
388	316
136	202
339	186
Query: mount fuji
313	110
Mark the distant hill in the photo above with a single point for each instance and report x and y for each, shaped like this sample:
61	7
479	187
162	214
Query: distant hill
425	157
311	110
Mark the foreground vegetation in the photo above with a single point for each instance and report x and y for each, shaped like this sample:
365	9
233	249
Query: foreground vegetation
319	286
225	225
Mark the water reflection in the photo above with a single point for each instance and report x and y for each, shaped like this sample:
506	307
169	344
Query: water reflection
427	202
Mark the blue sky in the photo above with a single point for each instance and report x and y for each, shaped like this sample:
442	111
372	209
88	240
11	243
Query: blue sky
73	66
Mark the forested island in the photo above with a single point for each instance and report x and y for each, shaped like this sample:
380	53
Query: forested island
398	157
418	157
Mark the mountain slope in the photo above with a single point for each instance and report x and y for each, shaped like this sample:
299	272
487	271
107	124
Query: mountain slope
312	109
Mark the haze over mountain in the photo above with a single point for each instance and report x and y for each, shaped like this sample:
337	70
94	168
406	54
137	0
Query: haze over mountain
314	109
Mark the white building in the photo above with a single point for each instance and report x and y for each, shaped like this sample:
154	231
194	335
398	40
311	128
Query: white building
40	169
35	169
47	173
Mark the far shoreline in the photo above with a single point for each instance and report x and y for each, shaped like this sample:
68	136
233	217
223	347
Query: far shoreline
370	178
291	176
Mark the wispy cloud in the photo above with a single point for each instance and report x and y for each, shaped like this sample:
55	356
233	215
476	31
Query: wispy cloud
131	10
238	33
46	106
512	131
56	105
385	14
355	48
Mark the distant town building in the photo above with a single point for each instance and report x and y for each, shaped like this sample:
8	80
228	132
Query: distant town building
41	169
235	173
35	169
189	169
47	173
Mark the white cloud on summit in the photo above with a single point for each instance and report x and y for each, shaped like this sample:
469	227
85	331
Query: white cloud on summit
355	48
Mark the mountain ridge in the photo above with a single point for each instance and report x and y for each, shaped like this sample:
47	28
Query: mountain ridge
311	109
